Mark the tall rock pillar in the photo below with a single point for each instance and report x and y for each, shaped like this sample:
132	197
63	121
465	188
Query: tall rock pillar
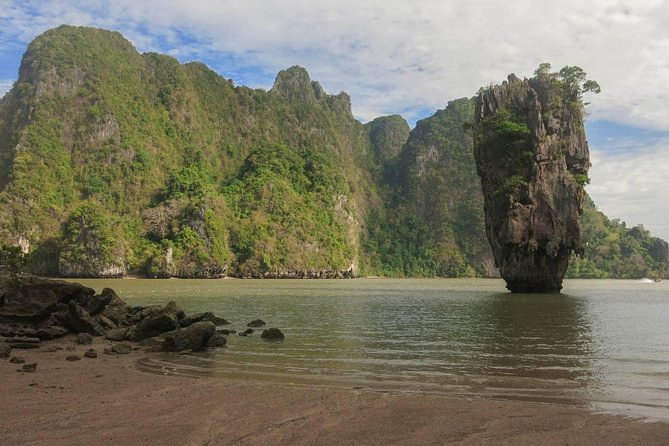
532	157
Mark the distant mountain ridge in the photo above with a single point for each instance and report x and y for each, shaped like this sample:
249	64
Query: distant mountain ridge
114	162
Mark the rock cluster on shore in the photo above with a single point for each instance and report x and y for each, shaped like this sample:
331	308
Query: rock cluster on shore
41	309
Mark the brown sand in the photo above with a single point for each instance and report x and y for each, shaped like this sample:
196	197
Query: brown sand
107	401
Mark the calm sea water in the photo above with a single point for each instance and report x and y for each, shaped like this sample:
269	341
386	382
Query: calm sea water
602	344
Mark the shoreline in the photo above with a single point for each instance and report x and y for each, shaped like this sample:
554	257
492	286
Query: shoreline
108	400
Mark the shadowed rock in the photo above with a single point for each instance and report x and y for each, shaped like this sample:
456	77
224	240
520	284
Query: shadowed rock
272	334
156	322
217	340
194	337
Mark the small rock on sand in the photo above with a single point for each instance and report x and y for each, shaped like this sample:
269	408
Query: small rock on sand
29	368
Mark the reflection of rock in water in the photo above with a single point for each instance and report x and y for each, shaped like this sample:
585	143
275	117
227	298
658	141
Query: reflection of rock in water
545	337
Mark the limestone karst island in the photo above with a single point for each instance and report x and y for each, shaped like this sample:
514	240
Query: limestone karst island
114	163
532	156
376	254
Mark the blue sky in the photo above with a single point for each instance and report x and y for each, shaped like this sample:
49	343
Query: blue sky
411	58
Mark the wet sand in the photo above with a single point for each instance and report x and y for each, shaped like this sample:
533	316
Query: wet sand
108	401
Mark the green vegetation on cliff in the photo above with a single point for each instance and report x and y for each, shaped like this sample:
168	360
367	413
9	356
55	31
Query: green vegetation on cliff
433	224
612	250
197	177
115	162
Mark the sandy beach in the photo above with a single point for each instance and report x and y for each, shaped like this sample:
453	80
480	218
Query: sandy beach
107	401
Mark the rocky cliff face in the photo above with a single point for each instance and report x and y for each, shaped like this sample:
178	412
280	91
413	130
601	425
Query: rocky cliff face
532	158
387	134
113	161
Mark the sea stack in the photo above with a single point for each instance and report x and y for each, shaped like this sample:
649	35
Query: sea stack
532	157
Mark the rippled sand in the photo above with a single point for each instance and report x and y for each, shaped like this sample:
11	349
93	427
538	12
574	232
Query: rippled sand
109	400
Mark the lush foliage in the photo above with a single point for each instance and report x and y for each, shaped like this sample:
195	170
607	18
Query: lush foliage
114	160
433	224
185	167
614	250
12	258
571	83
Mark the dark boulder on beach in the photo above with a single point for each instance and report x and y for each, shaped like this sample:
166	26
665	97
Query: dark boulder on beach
121	349
117	334
84	339
78	320
38	309
272	334
199	317
157	321
28	368
22	342
194	337
256	323
217	340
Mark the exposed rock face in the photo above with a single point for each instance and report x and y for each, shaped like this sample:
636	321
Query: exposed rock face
532	157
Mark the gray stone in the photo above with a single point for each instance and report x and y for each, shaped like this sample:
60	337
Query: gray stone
217	340
206	316
272	334
51	332
23	342
36	298
90	354
106	322
17	360
116	311
84	339
79	321
156	322
28	368
256	323
96	303
116	334
194	337
121	349
73	358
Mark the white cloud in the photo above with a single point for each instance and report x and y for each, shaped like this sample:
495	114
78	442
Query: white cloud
633	186
394	56
408	57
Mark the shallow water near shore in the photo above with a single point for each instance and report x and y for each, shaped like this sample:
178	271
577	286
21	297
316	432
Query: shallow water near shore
601	343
